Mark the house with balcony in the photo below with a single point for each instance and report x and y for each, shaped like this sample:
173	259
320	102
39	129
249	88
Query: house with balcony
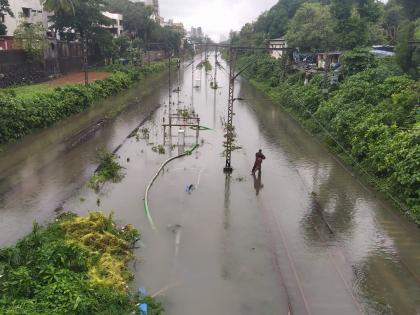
278	43
116	28
328	60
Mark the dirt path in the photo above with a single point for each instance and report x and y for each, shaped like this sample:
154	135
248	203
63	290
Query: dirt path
78	77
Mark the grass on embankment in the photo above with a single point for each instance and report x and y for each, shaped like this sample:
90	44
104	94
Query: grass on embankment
26	109
28	91
75	265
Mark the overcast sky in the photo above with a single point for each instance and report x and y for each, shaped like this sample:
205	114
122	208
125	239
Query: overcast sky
216	17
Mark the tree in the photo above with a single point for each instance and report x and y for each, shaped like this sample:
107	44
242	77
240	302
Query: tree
393	17
59	5
137	15
358	60
411	8
349	35
106	44
85	19
408	55
32	39
356	22
138	22
311	29
4	9
273	23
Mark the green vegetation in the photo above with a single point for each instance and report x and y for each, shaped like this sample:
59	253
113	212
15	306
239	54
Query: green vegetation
108	170
230	132
31	37
141	27
4	9
75	265
28	91
322	25
22	114
159	149
145	133
206	64
368	110
408	55
303	34
371	119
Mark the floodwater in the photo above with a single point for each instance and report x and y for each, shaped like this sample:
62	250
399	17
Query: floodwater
304	237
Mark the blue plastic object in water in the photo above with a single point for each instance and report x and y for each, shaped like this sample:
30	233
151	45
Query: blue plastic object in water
142	306
189	188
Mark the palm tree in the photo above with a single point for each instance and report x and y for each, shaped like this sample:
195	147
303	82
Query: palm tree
55	6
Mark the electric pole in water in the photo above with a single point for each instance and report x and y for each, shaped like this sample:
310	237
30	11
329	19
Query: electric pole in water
215	69
85	57
229	124
178	90
170	83
192	79
230	129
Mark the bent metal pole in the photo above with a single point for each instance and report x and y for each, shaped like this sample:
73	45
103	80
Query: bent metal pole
146	193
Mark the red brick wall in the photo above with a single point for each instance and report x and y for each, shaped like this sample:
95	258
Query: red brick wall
6	43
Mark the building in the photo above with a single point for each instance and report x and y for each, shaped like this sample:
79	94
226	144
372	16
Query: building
6	42
326	60
196	32
278	43
152	3
200	33
30	11
116	28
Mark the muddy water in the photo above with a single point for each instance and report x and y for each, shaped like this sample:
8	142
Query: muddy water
38	173
306	236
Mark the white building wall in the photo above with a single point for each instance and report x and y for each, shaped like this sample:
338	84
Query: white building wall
278	43
117	23
36	14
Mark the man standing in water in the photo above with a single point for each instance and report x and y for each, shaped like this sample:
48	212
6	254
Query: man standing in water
259	157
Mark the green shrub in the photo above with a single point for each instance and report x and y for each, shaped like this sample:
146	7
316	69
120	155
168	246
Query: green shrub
372	114
23	114
54	270
108	170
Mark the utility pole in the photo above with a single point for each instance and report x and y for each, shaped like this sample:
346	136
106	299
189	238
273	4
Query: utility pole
170	83
178	65
230	130
229	124
215	69
192	80
85	57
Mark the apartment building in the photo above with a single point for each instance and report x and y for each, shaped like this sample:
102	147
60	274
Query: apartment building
116	28
30	11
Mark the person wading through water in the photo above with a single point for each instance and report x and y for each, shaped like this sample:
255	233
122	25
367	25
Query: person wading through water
259	157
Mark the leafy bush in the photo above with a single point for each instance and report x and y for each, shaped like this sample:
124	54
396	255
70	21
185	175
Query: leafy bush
358	60
372	115
75	265
22	114
108	170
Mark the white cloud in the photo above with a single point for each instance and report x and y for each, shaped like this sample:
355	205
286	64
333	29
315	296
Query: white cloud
216	17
